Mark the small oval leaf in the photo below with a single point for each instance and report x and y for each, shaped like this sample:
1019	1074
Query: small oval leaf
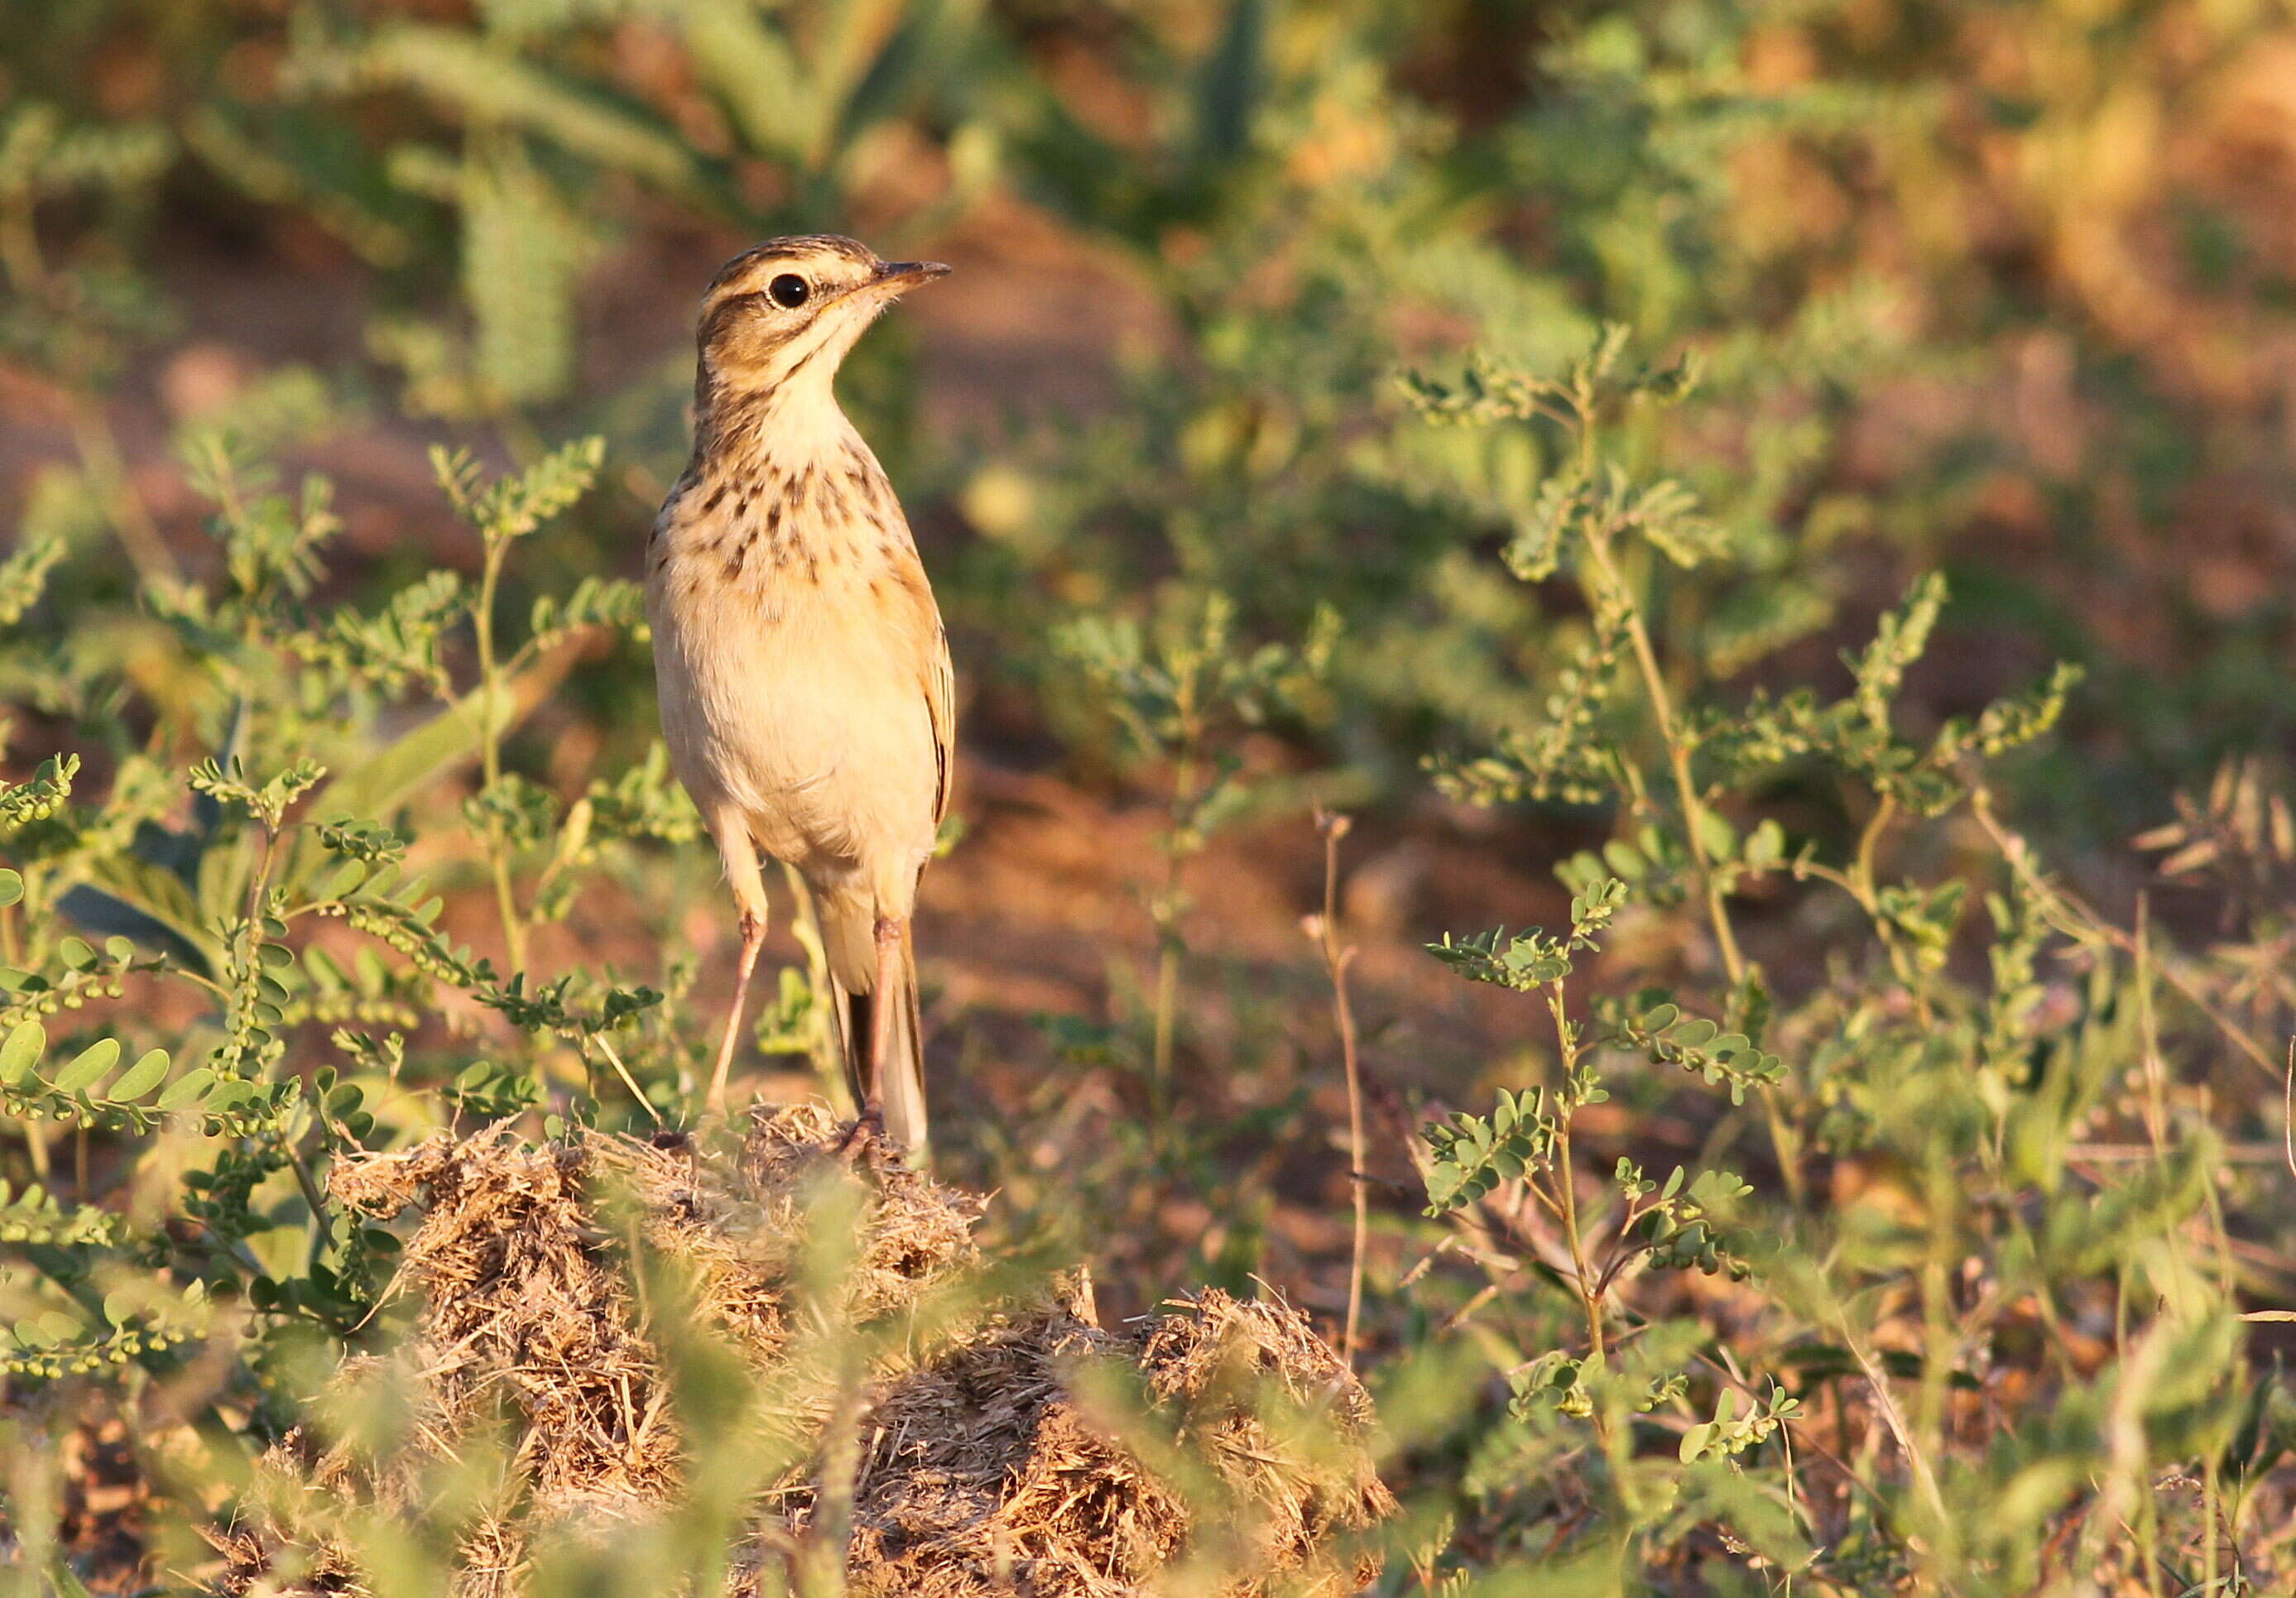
86	1066
22	1051
147	1073
187	1089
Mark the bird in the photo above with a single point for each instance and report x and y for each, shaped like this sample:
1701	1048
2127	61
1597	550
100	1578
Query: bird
807	694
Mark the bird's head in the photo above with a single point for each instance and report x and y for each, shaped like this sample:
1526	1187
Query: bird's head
791	307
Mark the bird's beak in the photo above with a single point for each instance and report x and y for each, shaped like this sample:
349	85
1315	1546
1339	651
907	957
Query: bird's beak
899	277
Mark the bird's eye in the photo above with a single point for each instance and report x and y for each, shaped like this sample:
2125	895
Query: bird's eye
789	291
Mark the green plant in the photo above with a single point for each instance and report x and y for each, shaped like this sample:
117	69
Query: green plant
1182	691
1901	1057
1513	1184
224	882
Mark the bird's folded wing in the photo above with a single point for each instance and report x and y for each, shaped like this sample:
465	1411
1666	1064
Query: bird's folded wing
941	703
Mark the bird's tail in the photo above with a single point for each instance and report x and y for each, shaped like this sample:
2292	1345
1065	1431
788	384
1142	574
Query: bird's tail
902	1091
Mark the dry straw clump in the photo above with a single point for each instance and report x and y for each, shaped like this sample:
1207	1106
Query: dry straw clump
996	1447
1013	1464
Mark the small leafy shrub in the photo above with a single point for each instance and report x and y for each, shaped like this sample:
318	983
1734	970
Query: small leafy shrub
268	898
1936	1222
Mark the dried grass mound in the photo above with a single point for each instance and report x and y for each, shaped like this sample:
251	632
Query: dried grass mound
526	1292
997	1456
1282	1420
982	1476
527	1326
1010	1466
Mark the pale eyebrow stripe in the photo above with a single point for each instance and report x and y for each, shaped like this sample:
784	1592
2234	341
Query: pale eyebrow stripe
752	279
802	254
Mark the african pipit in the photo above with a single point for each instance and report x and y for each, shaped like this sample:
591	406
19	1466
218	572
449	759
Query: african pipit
805	685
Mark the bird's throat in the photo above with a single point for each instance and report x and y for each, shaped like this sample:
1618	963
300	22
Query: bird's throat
781	486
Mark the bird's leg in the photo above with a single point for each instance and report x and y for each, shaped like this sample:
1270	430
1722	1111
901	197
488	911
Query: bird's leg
871	1126
881	1032
753	936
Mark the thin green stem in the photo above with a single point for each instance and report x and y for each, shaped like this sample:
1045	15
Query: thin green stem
1784	1146
1337	956
1862	882
1677	753
1167	916
1940	1341
258	886
490	748
1567	1186
1590	1297
309	1185
2210	1515
615	1060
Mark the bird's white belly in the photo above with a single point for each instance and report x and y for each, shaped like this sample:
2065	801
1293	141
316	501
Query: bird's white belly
806	722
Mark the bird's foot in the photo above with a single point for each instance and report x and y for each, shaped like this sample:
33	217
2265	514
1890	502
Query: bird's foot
867	1133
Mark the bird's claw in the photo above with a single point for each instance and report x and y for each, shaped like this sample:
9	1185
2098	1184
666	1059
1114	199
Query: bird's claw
867	1132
